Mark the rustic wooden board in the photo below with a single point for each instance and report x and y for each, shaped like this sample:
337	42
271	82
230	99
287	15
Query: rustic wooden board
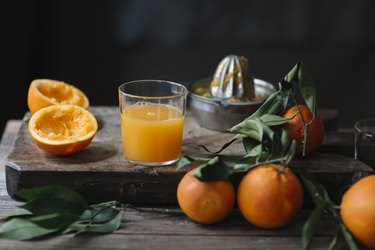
169	228
101	173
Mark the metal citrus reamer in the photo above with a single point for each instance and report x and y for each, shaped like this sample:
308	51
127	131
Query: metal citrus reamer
233	80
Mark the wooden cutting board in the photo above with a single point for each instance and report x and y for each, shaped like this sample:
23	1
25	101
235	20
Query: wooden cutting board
101	173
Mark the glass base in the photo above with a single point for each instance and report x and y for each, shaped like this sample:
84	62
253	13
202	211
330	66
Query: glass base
153	164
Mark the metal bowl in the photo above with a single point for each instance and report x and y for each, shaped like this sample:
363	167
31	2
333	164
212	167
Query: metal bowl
219	115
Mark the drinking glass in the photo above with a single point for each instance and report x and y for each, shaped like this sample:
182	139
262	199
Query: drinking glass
364	141
152	121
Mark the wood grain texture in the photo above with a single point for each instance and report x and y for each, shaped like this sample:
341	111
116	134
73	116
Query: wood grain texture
100	172
167	228
7	139
169	242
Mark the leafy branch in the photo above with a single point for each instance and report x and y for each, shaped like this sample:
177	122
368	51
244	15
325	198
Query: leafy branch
323	204
264	143
55	210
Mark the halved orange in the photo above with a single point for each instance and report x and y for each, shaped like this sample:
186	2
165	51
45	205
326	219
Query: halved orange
62	129
46	92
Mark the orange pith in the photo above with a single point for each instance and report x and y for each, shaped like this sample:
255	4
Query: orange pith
46	92
62	129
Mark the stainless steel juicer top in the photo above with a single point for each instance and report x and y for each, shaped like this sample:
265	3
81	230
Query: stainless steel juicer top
233	80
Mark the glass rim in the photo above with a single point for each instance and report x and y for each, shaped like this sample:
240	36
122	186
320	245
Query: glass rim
183	92
361	130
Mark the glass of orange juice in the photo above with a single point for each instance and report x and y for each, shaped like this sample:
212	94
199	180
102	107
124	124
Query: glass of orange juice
152	121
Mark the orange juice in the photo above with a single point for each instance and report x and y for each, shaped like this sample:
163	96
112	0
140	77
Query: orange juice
152	133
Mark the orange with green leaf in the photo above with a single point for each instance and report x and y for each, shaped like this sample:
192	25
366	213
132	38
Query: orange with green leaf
270	196
205	202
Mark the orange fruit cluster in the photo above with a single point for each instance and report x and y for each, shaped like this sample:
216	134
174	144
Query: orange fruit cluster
268	196
60	123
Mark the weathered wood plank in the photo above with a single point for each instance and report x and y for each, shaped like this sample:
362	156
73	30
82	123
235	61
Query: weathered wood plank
152	229
7	139
169	228
172	221
100	172
168	242
6	202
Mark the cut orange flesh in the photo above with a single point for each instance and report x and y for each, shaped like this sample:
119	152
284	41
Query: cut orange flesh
45	92
62	129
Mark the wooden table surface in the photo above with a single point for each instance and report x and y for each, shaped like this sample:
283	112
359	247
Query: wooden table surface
169	228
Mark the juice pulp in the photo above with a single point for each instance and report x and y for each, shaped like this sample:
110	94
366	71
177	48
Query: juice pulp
152	132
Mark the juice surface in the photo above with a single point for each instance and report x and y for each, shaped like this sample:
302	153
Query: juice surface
152	132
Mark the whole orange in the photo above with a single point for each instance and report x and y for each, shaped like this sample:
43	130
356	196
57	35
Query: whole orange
205	202
315	130
357	210
269	196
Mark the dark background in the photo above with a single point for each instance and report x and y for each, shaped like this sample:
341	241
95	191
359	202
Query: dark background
97	45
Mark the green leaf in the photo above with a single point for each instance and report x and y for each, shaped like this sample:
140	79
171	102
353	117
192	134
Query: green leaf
186	160
54	221
292	75
87	214
53	204
317	191
307	90
52	199
271	105
255	151
106	204
183	161
105	215
348	237
107	227
285	94
310	225
55	209
245	164
334	241
276	144
250	127
285	141
249	144
22	229
288	156
53	190
273	120
320	196
305	84
77	226
214	170
18	212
